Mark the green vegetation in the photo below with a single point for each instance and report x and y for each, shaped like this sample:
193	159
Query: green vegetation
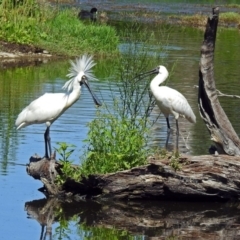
233	5
230	17
102	232
174	162
200	20
67	170
118	137
67	226
115	143
58	31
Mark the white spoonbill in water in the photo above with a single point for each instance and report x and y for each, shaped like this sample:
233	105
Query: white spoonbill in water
169	100
50	106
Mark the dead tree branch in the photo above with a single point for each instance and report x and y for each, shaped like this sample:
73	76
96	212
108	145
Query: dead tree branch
220	128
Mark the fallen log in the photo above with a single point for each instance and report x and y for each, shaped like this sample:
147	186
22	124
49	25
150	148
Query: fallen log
200	178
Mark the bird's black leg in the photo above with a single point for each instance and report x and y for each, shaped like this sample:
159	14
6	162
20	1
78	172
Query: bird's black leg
177	134
42	231
168	133
47	140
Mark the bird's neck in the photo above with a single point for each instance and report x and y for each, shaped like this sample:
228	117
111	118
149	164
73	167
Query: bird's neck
73	96
159	79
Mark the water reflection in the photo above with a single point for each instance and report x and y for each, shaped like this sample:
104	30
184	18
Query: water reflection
102	220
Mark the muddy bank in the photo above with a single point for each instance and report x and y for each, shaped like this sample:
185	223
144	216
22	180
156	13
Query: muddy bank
18	55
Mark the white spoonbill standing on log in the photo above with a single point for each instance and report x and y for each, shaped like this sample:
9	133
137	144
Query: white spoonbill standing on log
169	100
50	106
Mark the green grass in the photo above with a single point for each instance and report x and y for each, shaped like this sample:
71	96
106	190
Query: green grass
58	31
233	5
200	20
230	17
77	36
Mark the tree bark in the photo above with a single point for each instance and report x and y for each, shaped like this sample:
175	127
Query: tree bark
222	133
202	178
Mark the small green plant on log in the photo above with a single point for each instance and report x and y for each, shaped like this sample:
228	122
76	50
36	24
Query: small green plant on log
64	150
174	162
115	143
172	158
67	168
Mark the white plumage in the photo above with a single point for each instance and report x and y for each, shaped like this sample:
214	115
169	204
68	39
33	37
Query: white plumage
169	100
48	107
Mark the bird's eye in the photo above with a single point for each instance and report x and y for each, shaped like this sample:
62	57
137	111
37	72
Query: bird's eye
83	80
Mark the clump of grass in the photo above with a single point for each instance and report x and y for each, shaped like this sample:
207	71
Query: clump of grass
58	31
230	18
196	20
115	143
19	22
233	5
199	20
67	170
78	37
174	162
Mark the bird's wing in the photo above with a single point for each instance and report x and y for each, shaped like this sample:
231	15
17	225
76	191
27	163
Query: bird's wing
45	108
181	106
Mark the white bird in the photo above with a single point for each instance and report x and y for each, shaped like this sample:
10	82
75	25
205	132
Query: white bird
50	106
169	100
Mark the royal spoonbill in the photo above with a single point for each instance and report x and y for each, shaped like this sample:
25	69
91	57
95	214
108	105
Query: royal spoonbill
50	106
169	100
91	15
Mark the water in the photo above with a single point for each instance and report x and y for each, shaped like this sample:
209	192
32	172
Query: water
19	196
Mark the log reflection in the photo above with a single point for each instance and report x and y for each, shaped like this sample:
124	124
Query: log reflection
152	219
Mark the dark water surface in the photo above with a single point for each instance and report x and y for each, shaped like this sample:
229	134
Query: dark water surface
22	209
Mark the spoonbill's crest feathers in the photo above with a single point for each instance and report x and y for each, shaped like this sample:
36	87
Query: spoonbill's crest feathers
83	64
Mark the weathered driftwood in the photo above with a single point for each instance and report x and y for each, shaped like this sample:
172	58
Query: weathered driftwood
210	178
45	170
222	133
153	219
201	178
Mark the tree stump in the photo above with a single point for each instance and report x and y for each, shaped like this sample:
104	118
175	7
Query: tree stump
222	133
